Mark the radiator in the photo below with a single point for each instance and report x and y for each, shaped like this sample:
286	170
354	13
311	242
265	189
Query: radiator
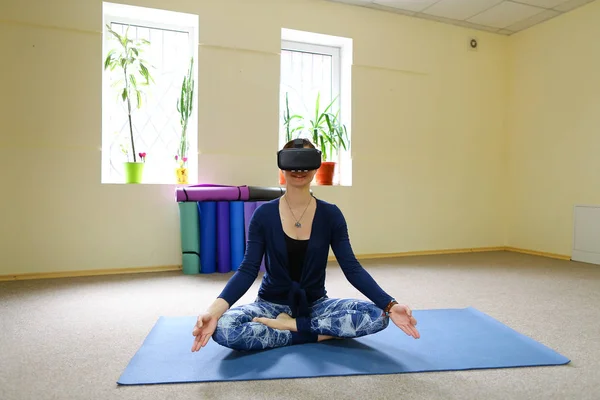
586	234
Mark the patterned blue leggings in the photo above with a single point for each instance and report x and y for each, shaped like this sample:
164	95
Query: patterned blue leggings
342	318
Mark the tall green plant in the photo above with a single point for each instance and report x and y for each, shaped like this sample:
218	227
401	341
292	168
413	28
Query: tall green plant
127	58
185	105
287	122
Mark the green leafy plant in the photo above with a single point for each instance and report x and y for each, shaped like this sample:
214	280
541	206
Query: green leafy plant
336	135
127	57
185	105
326	130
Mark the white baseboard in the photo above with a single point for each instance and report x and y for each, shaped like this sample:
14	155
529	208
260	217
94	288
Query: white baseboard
586	257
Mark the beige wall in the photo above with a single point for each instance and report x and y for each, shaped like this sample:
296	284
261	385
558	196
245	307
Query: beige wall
553	129
428	131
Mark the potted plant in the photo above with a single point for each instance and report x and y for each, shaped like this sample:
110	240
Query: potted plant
185	105
127	58
135	174
329	135
289	130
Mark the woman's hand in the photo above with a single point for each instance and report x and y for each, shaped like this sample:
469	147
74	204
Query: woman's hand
401	315
203	330
207	323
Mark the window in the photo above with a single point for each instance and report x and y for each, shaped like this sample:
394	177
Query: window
315	66
170	51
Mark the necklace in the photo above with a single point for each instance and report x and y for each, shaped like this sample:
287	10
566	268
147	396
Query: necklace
297	224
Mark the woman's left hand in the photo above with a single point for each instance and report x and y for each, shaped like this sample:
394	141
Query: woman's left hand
401	315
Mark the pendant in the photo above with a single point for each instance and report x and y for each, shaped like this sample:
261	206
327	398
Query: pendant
298	224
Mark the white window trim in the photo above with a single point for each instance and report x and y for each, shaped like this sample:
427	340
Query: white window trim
156	19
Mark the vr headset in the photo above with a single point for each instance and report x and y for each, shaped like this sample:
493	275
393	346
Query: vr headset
298	158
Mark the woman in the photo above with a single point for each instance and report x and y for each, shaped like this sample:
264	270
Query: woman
295	232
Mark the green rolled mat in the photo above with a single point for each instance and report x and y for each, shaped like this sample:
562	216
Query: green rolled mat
189	224
191	263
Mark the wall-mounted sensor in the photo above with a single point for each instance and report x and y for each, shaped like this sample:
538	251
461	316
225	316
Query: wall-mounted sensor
473	44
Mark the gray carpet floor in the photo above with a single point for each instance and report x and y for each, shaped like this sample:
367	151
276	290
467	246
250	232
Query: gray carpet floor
72	338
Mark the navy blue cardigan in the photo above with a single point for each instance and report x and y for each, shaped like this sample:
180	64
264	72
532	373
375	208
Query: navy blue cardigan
266	237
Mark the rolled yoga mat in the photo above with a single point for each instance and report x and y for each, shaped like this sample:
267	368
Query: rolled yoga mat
263	268
208	236
249	207
236	233
209	192
189	223
223	239
451	339
264	193
259	193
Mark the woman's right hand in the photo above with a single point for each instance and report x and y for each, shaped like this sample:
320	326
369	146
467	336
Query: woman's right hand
204	329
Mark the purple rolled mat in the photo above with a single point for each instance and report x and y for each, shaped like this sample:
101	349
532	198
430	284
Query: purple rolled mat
262	265
249	207
210	192
223	242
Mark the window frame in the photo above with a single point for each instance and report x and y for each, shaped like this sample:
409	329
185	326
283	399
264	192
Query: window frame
108	19
335	52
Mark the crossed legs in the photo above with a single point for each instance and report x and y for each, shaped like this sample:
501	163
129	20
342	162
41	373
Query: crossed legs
262	325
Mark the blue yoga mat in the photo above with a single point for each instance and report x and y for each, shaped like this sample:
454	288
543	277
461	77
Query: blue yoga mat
236	233
451	339
208	236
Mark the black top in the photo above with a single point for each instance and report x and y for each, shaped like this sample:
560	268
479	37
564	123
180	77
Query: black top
296	251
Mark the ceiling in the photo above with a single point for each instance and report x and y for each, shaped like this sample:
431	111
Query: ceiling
498	16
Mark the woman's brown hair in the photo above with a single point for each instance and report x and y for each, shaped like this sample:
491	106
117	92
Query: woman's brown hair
306	143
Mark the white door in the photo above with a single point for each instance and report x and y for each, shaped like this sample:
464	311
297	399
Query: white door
586	234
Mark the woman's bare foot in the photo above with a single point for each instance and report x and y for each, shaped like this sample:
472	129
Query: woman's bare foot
325	337
283	322
286	323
